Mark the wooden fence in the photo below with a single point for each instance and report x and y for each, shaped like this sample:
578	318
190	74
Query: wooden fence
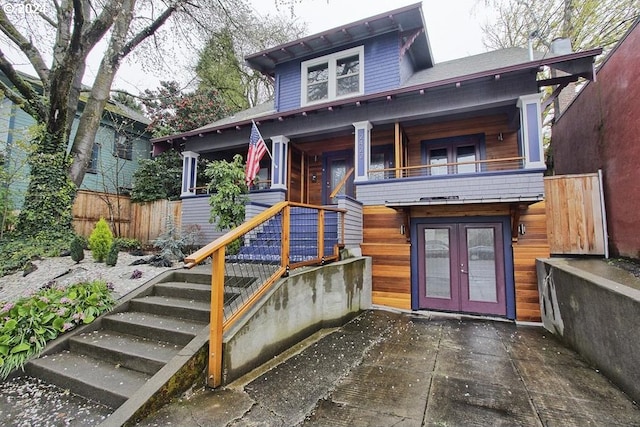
141	221
576	220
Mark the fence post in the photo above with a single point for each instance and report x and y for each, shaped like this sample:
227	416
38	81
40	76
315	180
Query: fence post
214	377
286	229
320	233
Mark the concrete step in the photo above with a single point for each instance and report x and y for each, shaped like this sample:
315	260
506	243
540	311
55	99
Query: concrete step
195	291
95	379
129	351
153	326
181	308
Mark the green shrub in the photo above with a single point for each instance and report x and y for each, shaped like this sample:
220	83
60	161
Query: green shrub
77	249
29	323
127	244
100	240
112	256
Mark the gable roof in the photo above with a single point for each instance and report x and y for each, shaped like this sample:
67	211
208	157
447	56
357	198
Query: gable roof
489	64
408	20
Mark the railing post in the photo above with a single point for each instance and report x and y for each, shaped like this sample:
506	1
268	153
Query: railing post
214	377
320	233
286	230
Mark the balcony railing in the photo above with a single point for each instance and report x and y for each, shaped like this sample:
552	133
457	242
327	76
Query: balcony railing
443	169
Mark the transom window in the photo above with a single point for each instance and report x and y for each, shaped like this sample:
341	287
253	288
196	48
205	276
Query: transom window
333	76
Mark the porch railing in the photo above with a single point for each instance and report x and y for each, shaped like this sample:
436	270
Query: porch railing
249	259
457	168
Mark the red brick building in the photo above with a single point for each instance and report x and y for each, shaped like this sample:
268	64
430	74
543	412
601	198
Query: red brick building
601	130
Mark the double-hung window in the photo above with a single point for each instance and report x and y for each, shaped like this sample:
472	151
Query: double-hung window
334	76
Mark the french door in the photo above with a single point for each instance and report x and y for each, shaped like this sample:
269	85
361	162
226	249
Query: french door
461	268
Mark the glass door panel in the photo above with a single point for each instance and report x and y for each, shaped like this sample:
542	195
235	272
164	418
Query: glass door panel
466	153
481	253
438	156
438	260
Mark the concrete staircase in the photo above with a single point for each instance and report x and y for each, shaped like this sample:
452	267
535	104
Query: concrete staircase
112	359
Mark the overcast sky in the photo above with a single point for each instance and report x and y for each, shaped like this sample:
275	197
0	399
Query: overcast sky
453	27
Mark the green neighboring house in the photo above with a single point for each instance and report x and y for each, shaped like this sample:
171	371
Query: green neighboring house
121	142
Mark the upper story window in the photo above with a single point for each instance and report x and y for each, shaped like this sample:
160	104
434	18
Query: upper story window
334	76
123	147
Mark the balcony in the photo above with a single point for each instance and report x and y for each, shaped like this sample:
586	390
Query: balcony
481	181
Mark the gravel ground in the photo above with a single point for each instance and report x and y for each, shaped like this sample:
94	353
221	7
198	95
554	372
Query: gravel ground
64	271
26	401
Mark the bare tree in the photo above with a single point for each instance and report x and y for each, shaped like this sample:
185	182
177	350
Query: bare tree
587	23
56	37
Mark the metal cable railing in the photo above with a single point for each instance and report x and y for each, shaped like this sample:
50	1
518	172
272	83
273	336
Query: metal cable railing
246	261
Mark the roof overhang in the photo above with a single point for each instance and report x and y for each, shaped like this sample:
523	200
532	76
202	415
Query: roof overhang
535	65
407	20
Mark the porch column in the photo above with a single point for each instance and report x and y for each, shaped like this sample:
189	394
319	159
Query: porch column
531	131
189	172
280	152
362	150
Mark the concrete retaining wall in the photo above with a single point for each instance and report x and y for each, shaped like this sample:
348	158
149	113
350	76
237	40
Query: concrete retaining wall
298	306
597	317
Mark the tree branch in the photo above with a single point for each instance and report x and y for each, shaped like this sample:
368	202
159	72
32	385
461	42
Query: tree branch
29	99
151	29
25	45
101	24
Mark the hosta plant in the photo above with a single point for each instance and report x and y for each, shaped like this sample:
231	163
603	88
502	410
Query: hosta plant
27	324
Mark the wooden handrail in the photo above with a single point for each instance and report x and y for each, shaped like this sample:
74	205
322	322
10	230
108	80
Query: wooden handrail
216	250
508	159
341	184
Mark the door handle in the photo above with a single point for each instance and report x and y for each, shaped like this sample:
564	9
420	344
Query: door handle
462	271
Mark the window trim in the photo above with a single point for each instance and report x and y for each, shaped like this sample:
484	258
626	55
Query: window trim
331	61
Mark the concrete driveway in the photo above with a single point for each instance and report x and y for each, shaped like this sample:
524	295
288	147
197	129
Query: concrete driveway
398	369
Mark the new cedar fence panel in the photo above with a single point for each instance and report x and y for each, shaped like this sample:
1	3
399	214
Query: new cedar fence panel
576	222
150	219
141	221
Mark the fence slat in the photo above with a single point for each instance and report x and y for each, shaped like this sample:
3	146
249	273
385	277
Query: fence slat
142	221
575	225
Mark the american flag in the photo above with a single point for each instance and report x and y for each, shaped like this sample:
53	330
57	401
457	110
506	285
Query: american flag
257	148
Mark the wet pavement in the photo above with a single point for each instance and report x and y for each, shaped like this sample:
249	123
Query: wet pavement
398	369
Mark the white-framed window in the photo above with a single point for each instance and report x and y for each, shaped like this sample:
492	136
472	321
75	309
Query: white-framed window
335	76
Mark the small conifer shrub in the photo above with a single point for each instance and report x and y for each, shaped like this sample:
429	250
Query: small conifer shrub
112	256
77	249
100	240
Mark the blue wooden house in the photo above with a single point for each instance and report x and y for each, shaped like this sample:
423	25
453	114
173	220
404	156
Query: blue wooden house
439	165
120	143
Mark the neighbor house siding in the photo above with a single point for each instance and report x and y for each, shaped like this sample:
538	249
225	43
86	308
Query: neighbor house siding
15	140
381	72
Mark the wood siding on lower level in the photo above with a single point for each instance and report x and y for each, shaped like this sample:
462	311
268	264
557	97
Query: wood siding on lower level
390	251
